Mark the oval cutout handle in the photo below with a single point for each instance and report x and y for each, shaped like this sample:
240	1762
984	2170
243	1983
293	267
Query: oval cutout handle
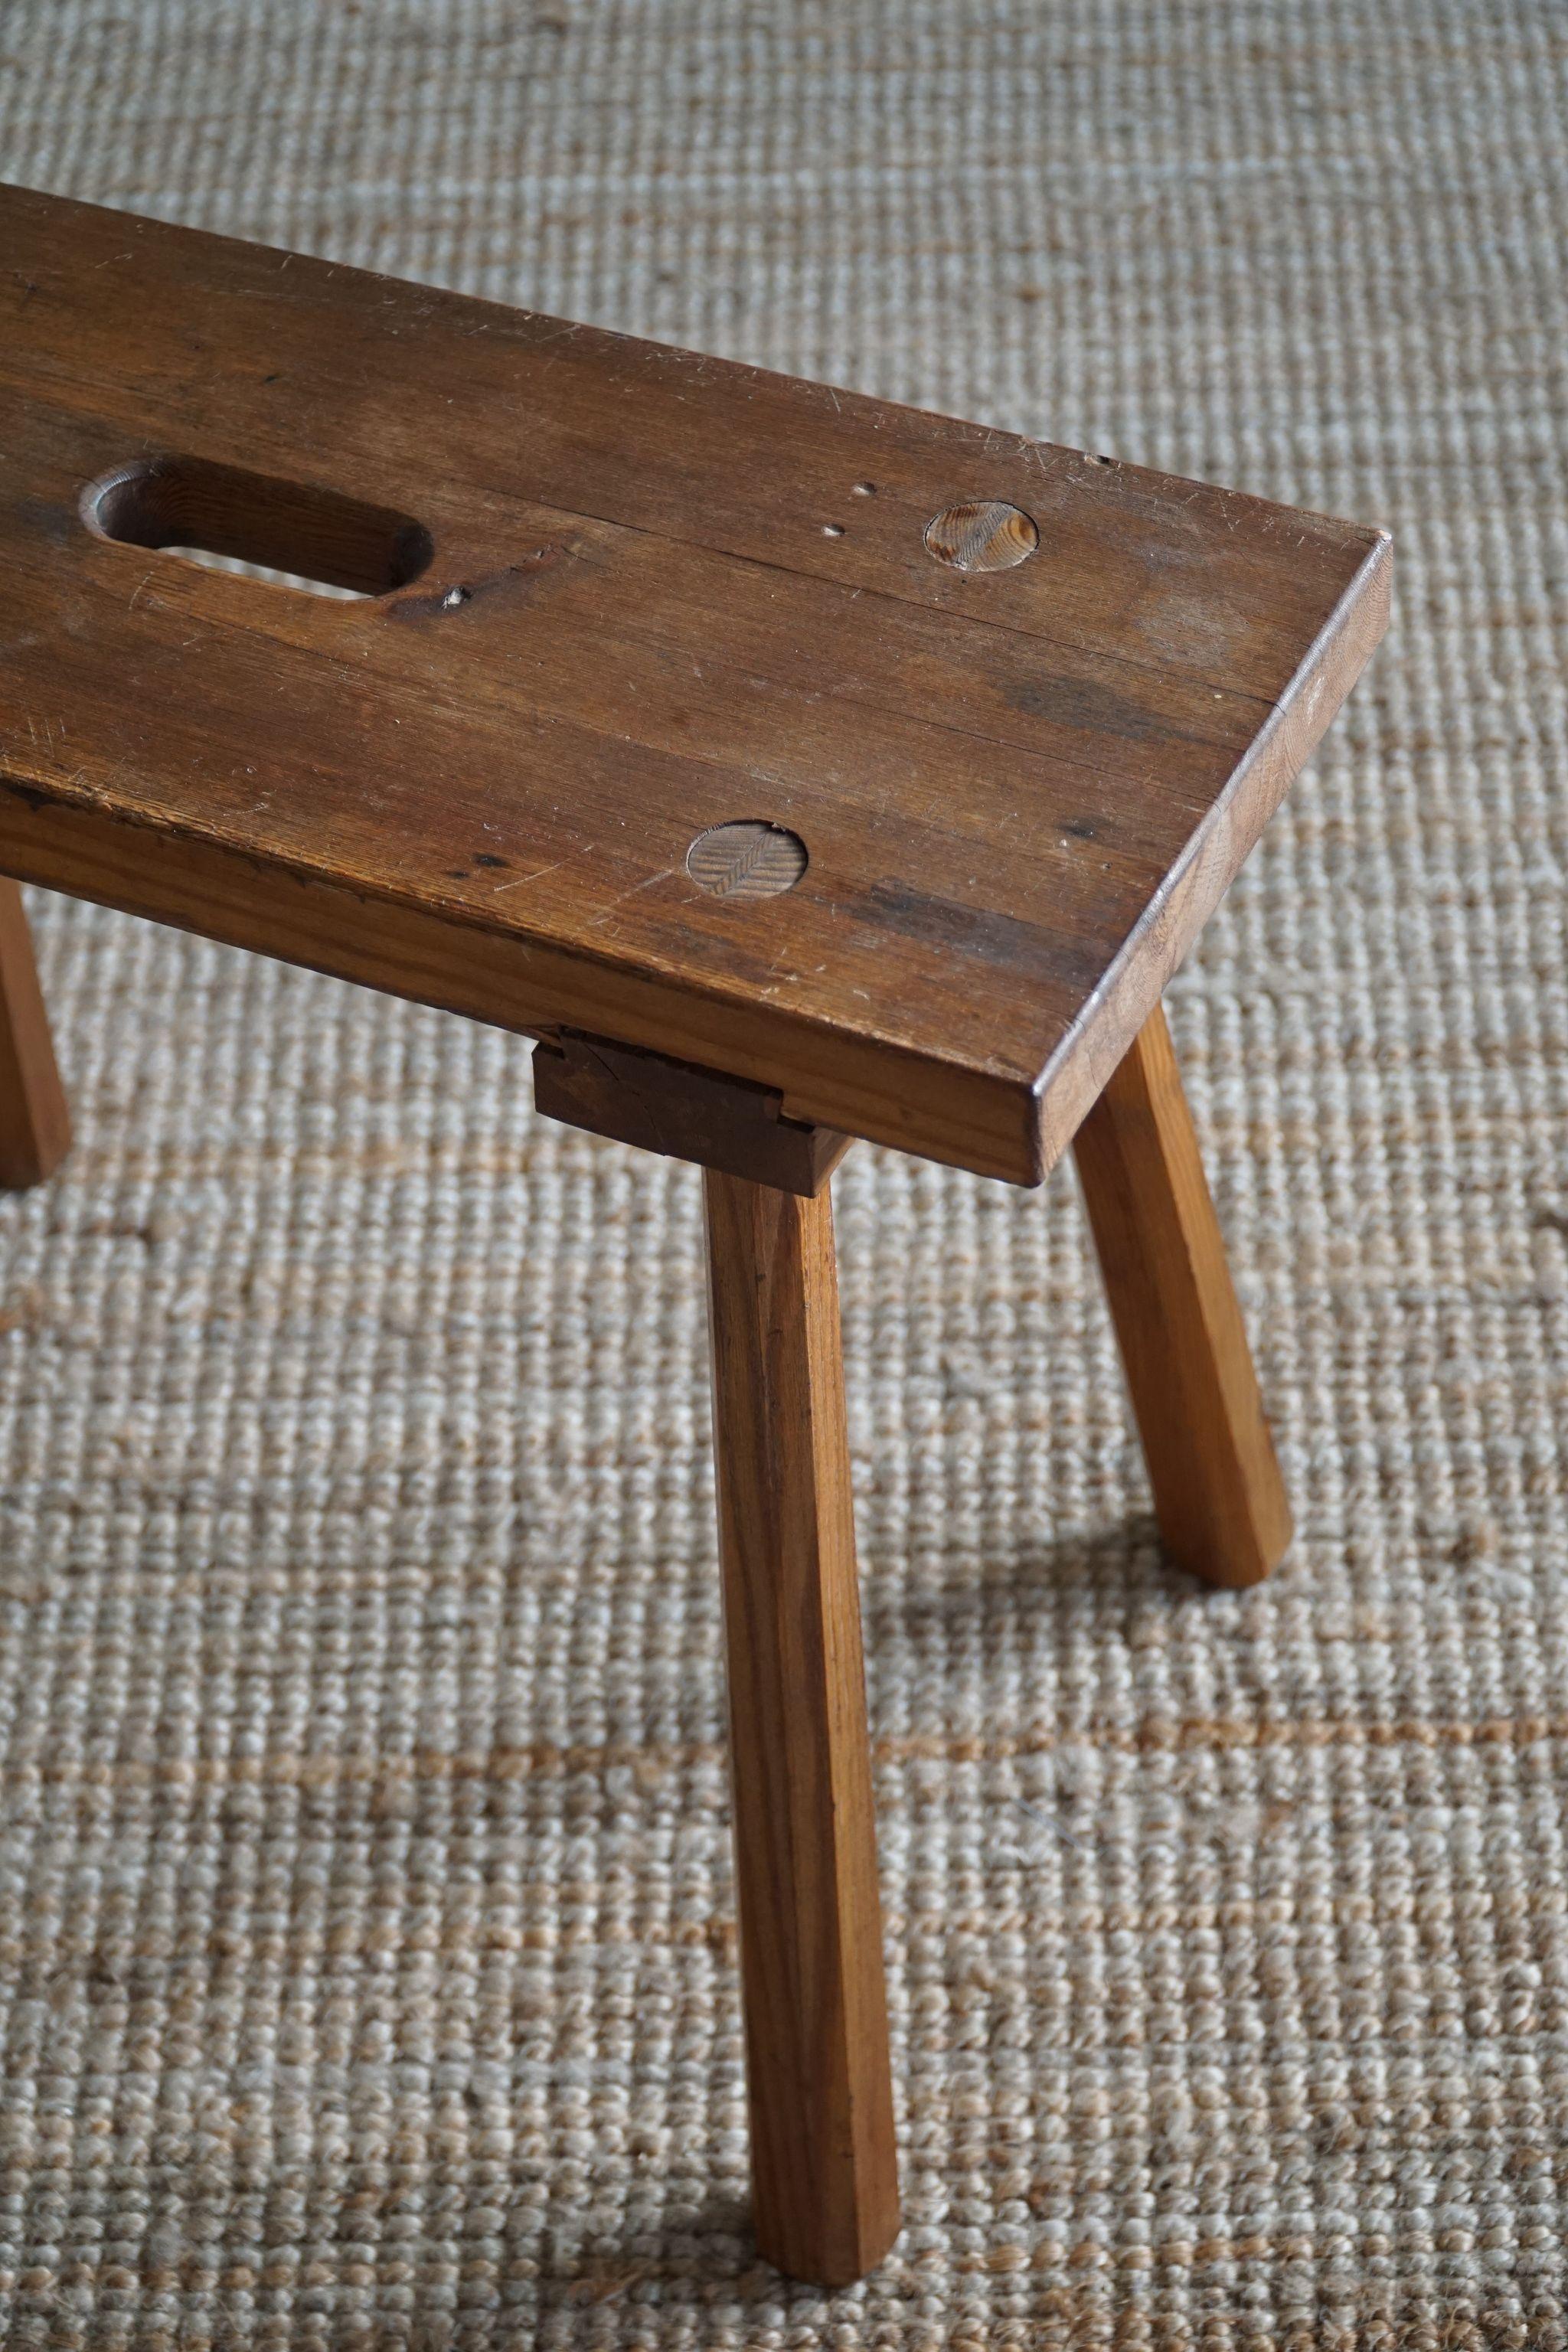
323	540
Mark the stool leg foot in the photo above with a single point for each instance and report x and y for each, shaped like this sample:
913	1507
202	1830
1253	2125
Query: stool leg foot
1217	1489
824	2165
34	1124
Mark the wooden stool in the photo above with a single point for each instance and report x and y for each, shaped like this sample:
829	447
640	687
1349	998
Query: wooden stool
792	766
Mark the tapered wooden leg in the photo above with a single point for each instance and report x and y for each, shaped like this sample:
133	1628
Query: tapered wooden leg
824	2166
1217	1489
34	1124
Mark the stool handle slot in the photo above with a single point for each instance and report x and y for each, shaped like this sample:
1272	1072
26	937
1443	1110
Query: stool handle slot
308	538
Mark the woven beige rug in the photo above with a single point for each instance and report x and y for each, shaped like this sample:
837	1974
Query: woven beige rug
366	1943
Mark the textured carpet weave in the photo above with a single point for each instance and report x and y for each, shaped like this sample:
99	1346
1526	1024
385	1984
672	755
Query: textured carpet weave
366	1934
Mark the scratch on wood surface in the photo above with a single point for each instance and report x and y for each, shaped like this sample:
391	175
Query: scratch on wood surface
618	902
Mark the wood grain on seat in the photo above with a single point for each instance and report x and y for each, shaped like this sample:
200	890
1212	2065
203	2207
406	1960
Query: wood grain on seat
595	599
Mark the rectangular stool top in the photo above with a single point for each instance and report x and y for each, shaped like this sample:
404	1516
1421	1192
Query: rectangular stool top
885	760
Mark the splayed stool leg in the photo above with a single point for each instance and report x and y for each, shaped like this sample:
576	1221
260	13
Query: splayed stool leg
823	2159
35	1121
1218	1494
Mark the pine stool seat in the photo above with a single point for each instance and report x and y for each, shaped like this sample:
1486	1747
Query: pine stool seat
792	766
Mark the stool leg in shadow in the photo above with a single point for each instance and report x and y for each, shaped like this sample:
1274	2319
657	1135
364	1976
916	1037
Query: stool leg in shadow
1218	1494
824	2164
35	1123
